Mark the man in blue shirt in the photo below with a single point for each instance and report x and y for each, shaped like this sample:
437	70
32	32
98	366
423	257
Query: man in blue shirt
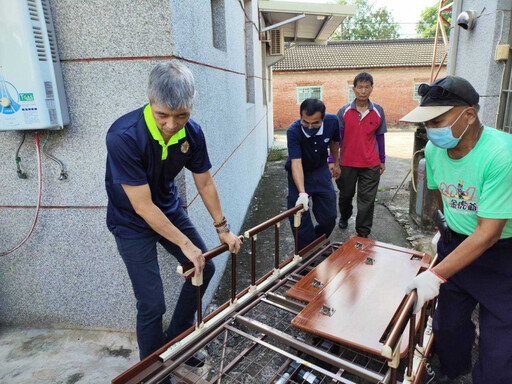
147	148
308	172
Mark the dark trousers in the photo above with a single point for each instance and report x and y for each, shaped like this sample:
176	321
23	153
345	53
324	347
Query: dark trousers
367	180
319	186
488	281
140	258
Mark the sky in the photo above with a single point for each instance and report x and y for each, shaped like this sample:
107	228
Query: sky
403	11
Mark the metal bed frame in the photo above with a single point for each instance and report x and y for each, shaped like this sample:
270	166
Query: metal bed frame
249	339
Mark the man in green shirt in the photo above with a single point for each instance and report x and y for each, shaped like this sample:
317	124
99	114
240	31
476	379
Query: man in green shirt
470	166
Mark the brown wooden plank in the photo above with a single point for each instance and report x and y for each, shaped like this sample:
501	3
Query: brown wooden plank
365	297
326	271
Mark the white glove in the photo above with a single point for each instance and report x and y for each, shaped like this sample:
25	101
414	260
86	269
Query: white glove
435	240
304	200
427	287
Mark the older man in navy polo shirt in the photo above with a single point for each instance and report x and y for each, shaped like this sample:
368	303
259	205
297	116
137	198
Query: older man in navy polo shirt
308	172
147	148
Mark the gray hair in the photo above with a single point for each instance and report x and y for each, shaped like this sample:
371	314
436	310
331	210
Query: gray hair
171	84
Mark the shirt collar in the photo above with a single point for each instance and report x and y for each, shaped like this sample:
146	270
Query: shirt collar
319	133
157	135
353	105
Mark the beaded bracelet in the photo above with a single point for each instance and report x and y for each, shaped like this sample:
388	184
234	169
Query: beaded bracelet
221	223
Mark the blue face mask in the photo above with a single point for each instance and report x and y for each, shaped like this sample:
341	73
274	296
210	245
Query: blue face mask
443	137
312	131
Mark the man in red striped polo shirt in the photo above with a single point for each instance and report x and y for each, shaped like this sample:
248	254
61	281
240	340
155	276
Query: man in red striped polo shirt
362	128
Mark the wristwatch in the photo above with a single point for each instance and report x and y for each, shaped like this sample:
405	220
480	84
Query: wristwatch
227	228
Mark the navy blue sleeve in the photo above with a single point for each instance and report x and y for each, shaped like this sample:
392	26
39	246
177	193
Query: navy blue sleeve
341	120
381	148
125	159
294	149
382	127
336	138
341	115
200	161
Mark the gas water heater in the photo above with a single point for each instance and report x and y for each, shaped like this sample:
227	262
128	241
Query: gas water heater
31	88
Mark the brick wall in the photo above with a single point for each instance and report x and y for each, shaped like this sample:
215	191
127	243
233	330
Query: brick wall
393	88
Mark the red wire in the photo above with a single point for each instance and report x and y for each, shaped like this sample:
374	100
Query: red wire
40	178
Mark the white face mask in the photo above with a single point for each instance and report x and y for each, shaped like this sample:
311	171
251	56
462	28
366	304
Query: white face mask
443	137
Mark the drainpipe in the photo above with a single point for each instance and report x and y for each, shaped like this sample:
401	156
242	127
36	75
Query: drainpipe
452	59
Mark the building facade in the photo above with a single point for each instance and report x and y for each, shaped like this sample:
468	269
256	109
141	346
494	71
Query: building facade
327	72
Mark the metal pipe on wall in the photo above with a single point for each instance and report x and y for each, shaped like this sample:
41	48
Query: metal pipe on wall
454	37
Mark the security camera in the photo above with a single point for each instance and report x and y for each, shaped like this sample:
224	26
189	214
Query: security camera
467	19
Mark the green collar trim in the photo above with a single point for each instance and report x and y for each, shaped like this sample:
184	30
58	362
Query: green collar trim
157	135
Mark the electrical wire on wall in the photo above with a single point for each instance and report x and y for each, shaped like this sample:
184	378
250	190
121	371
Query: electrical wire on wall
63	173
247	18
39	189
17	158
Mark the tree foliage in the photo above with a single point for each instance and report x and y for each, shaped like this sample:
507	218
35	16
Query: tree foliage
427	25
368	23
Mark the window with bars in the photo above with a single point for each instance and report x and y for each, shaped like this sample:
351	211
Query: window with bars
304	93
351	94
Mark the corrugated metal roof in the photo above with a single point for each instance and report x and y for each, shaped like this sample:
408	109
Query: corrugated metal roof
361	54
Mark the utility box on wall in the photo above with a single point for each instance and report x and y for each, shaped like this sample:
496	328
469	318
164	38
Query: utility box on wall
31	88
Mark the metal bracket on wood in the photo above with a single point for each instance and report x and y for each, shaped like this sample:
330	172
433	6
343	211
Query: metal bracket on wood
369	260
326	310
317	283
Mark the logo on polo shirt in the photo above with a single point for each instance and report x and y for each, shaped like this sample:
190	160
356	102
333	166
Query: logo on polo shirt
185	146
459	198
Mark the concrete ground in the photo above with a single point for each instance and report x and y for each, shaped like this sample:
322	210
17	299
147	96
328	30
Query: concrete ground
64	356
68	356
